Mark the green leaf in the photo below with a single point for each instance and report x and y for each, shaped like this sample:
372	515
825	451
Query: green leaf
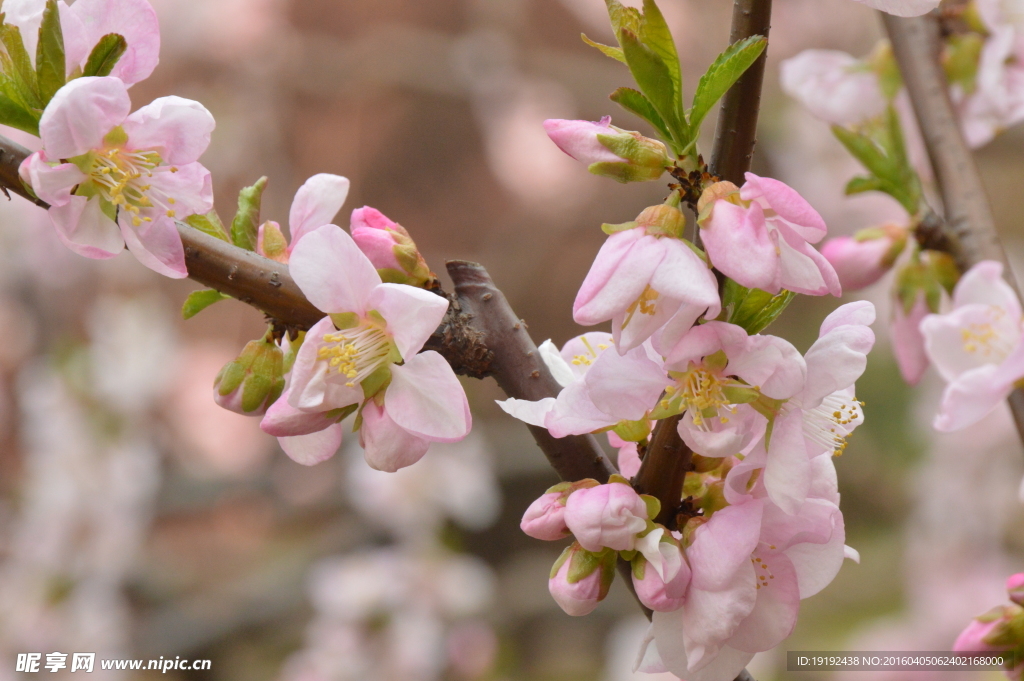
613	52
18	66
16	116
654	79
721	76
634	102
209	223
105	55
623	17
50	61
245	225
655	34
753	309
198	301
885	157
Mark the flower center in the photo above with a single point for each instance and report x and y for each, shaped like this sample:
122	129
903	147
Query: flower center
701	392
591	354
831	422
647	304
355	353
986	338
121	177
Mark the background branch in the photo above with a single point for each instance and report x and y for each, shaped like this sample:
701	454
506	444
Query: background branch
969	226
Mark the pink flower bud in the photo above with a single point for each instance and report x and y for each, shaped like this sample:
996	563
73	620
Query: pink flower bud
253	381
606	516
972	639
389	247
622	155
579	139
271	243
1015	586
545	518
581	579
652	590
860	262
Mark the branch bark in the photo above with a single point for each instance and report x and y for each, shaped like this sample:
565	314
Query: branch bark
969	225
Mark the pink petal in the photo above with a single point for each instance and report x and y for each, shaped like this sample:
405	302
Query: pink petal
313	448
629	460
723	439
52	184
972	395
426	399
598	342
704	340
83	227
574	413
857	263
378	246
81	114
332	271
908	344
833	86
770	363
191	188
136	20
947	348
316	203
157	245
310	387
533	413
787	475
579	139
859	313
803	269
178	129
738	243
683	275
835	362
620	272
388	446
630	331
723	545
710	618
626	386
284	420
669	633
817	564
778	601
788	204
412	314
984	284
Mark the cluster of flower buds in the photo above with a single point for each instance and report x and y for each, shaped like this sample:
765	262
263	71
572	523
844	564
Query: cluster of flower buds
1001	629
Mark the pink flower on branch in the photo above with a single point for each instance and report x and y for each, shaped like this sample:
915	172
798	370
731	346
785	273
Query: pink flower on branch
113	179
613	152
760	236
315	204
389	247
365	356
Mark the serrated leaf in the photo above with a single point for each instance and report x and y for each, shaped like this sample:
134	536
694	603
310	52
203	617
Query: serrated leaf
655	81
753	309
634	102
105	55
51	65
722	75
198	301
209	223
655	34
613	52
18	65
16	116
245	225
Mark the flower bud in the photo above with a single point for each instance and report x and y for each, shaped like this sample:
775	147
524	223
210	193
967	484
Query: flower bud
662	220
253	381
390	248
606	516
580	579
652	589
999	629
545	518
622	155
1015	587
864	258
271	242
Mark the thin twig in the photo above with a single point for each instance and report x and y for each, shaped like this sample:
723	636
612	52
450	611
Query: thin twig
969	223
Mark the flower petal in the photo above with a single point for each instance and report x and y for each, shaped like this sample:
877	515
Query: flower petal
426	399
313	448
772	364
52	184
533	413
971	396
710	618
619	274
136	20
625	386
723	545
191	188
738	243
778	603
311	388
560	369
81	114
83	227
412	314
157	245
284	420
178	129
316	203
802	269
835	362
984	284
788	204
787	473
388	446
574	413
332	271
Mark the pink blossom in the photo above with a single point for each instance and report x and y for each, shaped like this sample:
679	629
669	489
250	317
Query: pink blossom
761	234
907	340
834	86
580	581
607	516
902	8
545	518
315	204
351	358
863	259
389	247
977	347
85	22
623	155
127	177
645	281
658	589
579	139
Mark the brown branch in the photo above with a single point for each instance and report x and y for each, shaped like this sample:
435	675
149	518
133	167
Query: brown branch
969	223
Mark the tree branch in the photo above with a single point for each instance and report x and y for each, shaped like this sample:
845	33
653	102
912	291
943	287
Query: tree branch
969	225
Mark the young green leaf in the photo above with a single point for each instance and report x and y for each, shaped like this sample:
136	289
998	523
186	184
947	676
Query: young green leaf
655	34
198	301
16	116
50	61
753	309
613	52
655	81
722	74
18	65
209	224
623	17
246	222
105	55
634	102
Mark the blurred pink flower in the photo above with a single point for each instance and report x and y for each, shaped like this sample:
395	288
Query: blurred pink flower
834	86
864	258
907	340
902	8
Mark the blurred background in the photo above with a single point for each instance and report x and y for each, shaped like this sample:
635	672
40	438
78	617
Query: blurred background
139	520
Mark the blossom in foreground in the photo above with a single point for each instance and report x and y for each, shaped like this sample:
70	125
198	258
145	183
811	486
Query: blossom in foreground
365	356
998	630
647	279
613	152
315	204
85	22
902	8
760	235
114	179
977	347
834	86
